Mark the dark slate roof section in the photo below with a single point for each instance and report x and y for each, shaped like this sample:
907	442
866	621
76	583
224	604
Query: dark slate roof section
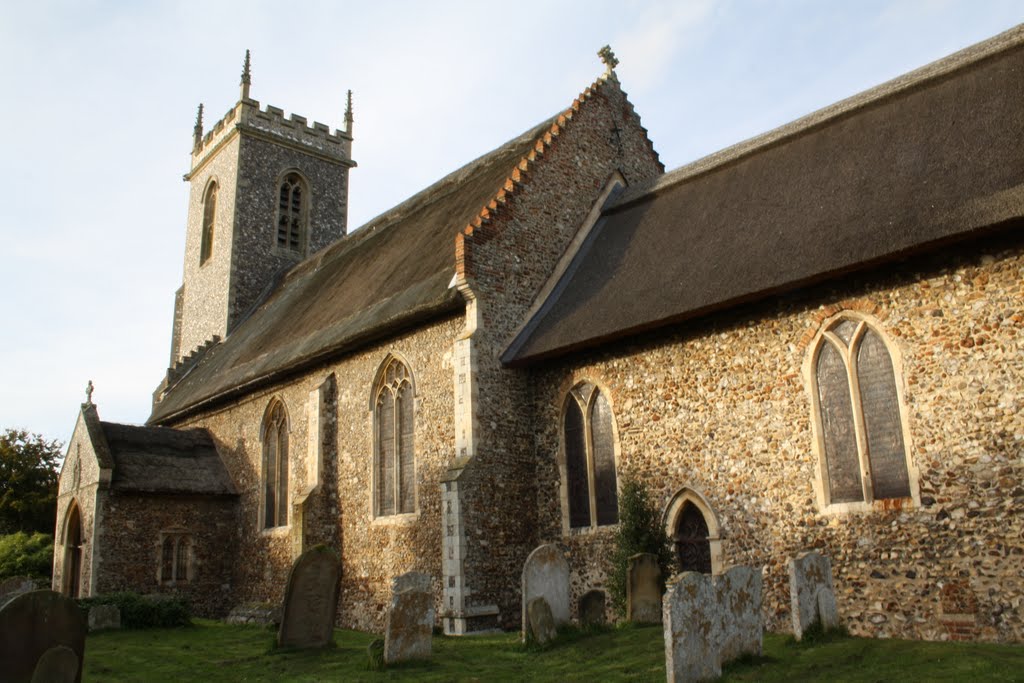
388	275
164	460
917	163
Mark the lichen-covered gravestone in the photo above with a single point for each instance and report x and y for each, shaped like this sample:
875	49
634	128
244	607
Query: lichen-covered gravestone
546	575
409	628
643	589
692	630
310	600
33	623
738	592
812	596
541	624
593	608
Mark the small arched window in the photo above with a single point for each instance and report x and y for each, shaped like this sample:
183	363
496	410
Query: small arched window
175	557
857	407
394	457
292	198
209	220
591	488
275	466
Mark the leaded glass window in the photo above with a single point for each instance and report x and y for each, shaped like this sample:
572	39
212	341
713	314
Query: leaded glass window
275	467
394	456
589	451
209	220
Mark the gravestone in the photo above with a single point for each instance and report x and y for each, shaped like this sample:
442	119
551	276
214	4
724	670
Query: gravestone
812	596
15	585
310	600
57	665
593	609
103	617
692	630
409	628
643	589
738	592
541	623
31	624
546	575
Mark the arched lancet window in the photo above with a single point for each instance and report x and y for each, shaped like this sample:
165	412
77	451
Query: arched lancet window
394	458
291	213
591	488
175	557
72	571
275	466
691	540
209	220
857	404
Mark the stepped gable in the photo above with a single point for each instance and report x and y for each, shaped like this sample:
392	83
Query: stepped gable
163	460
389	274
914	164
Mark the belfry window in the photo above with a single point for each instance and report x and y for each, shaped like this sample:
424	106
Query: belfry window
857	406
209	220
590	486
275	466
394	457
291	213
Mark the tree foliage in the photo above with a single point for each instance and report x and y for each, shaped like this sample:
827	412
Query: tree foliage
24	554
640	531
28	482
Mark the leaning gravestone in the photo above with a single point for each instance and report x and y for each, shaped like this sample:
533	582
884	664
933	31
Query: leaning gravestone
33	623
546	575
738	592
692	630
310	600
409	627
541	624
57	665
592	608
643	589
103	617
811	594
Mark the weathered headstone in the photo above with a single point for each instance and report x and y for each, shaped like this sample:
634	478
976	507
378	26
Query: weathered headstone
409	628
546	575
103	617
310	600
258	613
57	665
692	630
593	608
811	593
643	589
738	592
541	622
15	585
31	624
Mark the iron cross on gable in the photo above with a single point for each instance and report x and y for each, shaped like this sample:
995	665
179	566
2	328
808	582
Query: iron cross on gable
608	57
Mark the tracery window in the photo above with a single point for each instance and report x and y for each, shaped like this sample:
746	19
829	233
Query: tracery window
591	489
394	459
175	557
291	213
857	406
209	219
275	466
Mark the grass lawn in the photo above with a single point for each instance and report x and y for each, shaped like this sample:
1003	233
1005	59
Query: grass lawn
217	652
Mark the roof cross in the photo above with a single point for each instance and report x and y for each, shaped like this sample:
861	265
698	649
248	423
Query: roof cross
88	393
608	57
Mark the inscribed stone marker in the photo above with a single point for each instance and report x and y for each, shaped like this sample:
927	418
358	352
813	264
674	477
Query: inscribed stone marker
592	608
546	575
643	589
812	596
15	585
57	665
541	623
409	628
31	624
310	600
739	603
692	630
103	617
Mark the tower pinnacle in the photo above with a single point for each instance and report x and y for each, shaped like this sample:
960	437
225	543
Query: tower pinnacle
197	132
348	114
246	77
609	59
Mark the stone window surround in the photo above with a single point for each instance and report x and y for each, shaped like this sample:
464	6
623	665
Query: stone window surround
399	518
212	188
820	482
674	509
282	529
180	539
563	473
73	511
305	212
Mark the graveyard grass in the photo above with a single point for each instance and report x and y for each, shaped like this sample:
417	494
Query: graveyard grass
215	651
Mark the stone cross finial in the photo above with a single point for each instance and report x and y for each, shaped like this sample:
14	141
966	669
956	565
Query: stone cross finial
197	132
608	57
88	393
348	114
246	77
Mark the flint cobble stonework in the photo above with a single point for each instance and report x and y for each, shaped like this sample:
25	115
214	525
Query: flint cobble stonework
722	407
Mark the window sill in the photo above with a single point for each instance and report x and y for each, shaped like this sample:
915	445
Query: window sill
589	530
878	505
396	520
277	531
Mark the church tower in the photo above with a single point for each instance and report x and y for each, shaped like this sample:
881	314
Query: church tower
265	191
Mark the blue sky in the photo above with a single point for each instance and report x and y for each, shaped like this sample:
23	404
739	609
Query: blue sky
101	98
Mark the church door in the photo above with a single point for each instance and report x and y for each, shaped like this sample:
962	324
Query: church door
73	554
693	550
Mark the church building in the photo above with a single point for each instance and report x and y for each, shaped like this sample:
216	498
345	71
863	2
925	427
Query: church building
813	339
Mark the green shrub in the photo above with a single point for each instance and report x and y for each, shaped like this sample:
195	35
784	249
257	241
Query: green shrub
640	531
144	611
23	554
